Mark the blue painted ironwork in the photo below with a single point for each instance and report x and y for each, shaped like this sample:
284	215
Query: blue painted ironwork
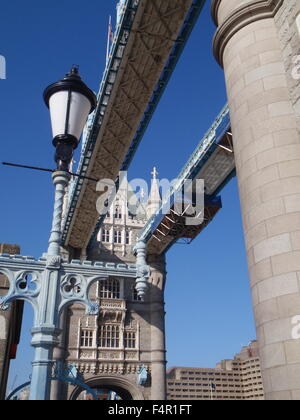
119	43
70	374
50	285
167	72
200	156
143	271
17	390
106	86
142	376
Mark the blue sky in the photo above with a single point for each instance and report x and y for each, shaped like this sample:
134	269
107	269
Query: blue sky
209	314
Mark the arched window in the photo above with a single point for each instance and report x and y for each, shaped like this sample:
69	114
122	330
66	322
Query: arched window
109	289
109	336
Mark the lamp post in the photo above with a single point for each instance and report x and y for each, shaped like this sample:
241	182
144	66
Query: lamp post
50	284
70	101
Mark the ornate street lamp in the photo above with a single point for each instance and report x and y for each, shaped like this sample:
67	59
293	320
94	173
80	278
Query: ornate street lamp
50	284
70	102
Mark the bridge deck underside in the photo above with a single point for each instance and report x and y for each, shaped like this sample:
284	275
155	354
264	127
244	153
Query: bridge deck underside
142	59
215	167
174	227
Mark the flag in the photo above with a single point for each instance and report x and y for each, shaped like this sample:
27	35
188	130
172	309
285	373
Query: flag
110	38
110	31
213	387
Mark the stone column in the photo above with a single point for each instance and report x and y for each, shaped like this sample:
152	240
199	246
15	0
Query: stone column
158	347
267	150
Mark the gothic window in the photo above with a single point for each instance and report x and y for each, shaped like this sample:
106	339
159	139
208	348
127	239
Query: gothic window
86	338
135	295
117	237
109	336
130	340
105	235
127	237
118	212
109	289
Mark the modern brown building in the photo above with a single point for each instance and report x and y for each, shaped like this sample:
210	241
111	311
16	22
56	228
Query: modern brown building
10	325
237	379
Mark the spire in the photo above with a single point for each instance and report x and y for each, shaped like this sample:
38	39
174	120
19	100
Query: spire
154	199
154	173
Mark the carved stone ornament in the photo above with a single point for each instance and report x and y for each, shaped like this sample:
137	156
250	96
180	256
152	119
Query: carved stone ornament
53	261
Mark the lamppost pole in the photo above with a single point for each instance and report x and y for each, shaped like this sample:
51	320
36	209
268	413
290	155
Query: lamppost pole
60	181
45	336
70	101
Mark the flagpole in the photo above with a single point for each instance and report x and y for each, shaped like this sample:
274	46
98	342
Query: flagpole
108	40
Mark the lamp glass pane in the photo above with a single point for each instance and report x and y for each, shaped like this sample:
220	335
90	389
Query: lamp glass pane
79	110
58	110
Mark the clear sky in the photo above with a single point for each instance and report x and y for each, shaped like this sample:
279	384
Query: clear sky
208	304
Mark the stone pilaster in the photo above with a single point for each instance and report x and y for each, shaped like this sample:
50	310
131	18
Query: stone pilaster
10	324
267	150
59	355
158	347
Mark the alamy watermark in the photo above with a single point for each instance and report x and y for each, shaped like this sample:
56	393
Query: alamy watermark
184	197
2	67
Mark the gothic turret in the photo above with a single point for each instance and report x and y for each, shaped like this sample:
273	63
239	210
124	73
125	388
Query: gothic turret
154	200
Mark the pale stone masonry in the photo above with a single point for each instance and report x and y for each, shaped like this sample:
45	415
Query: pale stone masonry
10	325
110	349
238	379
258	43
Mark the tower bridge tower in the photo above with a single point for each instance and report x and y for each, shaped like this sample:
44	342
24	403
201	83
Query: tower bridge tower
110	349
258	44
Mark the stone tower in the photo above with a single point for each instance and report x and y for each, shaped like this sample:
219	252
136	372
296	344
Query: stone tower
258	44
110	349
